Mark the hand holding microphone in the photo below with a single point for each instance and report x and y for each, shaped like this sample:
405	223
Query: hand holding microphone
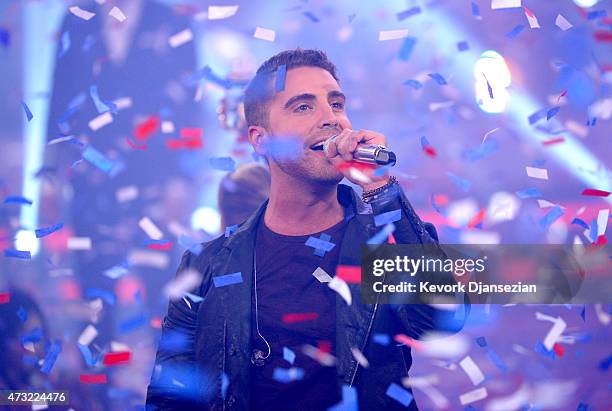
363	146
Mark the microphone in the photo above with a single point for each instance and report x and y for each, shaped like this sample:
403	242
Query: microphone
370	153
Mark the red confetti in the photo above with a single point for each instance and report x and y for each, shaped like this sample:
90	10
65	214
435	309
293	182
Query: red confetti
175	144
601	240
430	151
163	247
191	133
391	239
601	35
595	193
145	129
404	339
115	358
561	95
134	146
477	219
156	322
345	165
5	297
93	378
349	273
292	318
559	350
553	141
324	346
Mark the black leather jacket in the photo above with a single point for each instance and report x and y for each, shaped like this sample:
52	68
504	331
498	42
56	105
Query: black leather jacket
203	361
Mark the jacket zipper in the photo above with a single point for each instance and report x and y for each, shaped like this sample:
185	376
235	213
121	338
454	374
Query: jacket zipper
223	366
365	341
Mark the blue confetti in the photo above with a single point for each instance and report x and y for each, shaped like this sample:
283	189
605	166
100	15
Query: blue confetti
106	296
321	252
407	47
227	279
319	244
485	149
529	193
65	44
594	230
51	357
497	361
349	400
207	73
287	375
17	200
224	385
24	255
382	339
581	223
222	163
288	355
489	88
539	348
408	13
42	232
193	297
97	159
583	313
424	142
87	356
605	363
22	314
399	394
463	46
101	106
281	76
5	37
382	235
461	183
28	113
515	31
311	16
133	323
551	216
583	407
414	84
476	11
438	78
595	14
388	217
34	335
537	116
552	112
481	341
229	230
190	244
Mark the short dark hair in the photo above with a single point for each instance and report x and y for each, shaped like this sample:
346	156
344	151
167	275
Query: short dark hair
259	90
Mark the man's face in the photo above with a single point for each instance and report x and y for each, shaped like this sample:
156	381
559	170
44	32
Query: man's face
310	109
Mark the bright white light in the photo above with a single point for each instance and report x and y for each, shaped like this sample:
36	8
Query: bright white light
492	71
207	219
27	241
503	206
585	3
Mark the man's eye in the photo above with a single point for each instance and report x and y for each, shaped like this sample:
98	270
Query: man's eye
302	108
338	106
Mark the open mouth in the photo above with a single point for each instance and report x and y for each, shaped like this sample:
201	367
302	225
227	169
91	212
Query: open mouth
318	146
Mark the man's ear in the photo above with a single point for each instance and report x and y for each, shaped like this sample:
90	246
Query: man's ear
258	137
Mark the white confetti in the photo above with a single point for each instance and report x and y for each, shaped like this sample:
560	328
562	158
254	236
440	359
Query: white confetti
554	333
532	19
361	359
535	172
148	258
167	127
180	38
602	221
221	12
125	194
341	287
186	281
117	14
385	35
321	275
473	396
471	369
79	243
505	4
117	346
602	316
100	121
80	13
264	34
123	102
88	335
562	23
150	228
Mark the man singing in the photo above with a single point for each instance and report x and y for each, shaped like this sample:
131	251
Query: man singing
266	331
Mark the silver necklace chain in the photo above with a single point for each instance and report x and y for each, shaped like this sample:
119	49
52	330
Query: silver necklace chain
256	310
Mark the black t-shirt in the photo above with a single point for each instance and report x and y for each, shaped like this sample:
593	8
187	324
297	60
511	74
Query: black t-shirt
288	291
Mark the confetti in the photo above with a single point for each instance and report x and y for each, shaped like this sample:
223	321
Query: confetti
594	192
385	35
287	375
562	23
80	13
5	37
382	235
279	82
321	275
552	216
180	38
17	200
553	141
292	318
27	111
87	335
322	357
505	4
408	13
87	356
223	163
185	281
552	112
106	296
515	31
319	244
23	255
227	279
427	148
349	273
595	14
5	297
414	84
388	217
116	358
581	223
341	287
406	49
144	130
494	358
132	323
399	394
382	339
361	359
529	193
264	34
461	183
150	228
126	194
463	46
93	378
602	221
311	16
288	355
531	18
117	14
79	243
100	121
221	12
476	11
42	232
438	78
407	341
167	127
540	173
471	369
481	341
473	396
51	357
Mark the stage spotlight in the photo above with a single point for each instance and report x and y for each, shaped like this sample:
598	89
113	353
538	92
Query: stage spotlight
26	241
207	219
491	78
586	3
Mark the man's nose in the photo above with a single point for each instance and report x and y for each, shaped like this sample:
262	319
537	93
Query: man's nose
328	118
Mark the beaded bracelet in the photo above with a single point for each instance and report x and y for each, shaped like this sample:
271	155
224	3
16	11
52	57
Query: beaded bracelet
368	196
